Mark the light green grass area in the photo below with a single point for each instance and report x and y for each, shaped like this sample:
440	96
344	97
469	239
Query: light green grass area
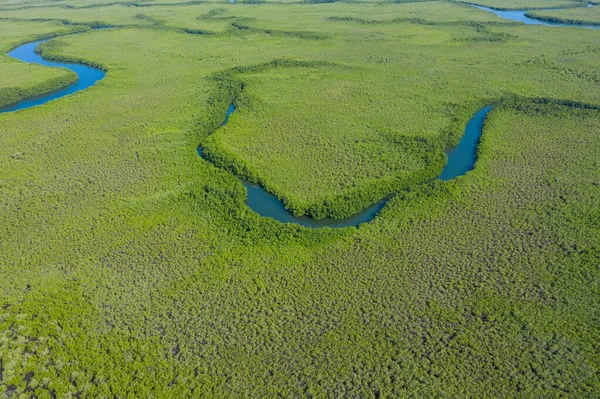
113	15
89	4
131	267
578	16
317	187
317	18
233	18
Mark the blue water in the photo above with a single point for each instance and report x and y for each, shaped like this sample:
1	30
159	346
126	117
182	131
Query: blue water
461	159
519	16
229	112
86	76
266	204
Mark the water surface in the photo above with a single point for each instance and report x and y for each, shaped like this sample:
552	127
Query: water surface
86	76
461	159
519	16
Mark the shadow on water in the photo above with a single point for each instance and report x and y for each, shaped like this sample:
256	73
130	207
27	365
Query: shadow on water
461	159
86	76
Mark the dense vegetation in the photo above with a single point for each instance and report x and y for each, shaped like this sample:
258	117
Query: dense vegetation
362	141
577	16
529	4
18	80
131	267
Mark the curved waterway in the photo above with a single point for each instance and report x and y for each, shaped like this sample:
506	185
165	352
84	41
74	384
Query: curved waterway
521	16
461	159
86	76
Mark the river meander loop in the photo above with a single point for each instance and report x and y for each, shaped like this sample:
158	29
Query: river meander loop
461	159
86	76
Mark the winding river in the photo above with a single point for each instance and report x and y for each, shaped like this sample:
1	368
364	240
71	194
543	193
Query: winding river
461	159
86	76
521	16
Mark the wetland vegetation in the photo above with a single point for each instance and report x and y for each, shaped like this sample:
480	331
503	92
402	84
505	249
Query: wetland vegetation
132	267
576	16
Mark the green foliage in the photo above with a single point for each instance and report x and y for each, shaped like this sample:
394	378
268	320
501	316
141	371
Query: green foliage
576	16
528	4
18	80
130	267
363	149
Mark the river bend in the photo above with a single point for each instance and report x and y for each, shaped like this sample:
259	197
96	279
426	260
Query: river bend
461	159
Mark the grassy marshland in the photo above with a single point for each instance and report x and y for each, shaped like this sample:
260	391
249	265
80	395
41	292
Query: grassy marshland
529	4
130	267
578	16
18	80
